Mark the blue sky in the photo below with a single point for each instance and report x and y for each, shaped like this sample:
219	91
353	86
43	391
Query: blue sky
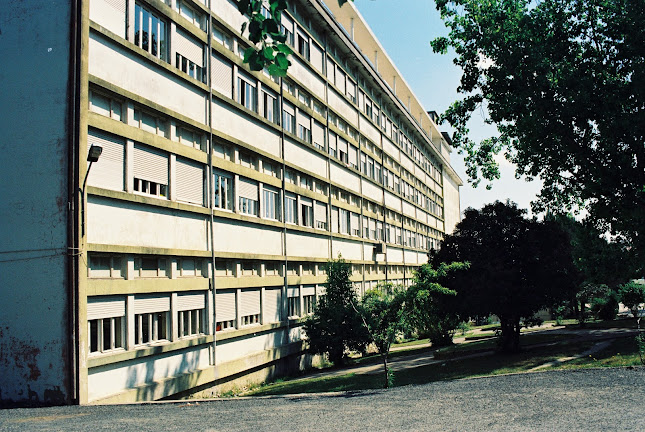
405	29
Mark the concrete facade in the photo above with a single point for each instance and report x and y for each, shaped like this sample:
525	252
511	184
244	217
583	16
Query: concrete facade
186	257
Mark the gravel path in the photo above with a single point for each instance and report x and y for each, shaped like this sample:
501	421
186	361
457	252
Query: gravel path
589	400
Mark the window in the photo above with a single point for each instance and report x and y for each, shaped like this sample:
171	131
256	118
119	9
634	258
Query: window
249	268
150	122
306	182
288	86
304	97
223	38
150	327
290	176
246	160
190	14
303	45
250	319
150	169
272	268
290	209
344	221
223	191
150	32
293	306
304	133
105	105
319	108
270	107
193	70
189	137
247	93
190	322
289	118
105	266
248	206
308	303
306	213
149	266
189	267
106	334
271	206
224	268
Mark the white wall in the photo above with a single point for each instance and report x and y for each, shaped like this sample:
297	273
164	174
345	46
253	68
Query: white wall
231	349
307	245
305	157
344	177
350	250
125	69
244	237
452	209
123	223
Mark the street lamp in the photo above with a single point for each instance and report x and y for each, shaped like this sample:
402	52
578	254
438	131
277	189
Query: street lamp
92	156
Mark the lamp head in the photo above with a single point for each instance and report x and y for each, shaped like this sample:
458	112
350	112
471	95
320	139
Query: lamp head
95	153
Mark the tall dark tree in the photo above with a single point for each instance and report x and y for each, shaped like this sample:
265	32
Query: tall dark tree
335	328
564	82
517	266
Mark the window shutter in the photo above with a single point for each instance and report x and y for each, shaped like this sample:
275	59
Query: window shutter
250	302
102	307
318	134
286	22
354	218
340	80
334	219
289	109
150	164
247	189
190	48
308	290
353	155
190	181
361	98
332	140
304	120
351	88
225	305
191	301
293	291
321	212
107	172
272	305
316	56
151	303
342	145
222	75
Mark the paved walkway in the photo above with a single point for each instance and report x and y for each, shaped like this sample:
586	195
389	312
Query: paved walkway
586	400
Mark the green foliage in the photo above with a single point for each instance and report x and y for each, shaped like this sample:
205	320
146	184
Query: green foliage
335	327
429	306
632	295
270	50
464	327
517	266
563	82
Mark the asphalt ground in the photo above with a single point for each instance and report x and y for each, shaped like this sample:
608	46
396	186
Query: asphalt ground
574	400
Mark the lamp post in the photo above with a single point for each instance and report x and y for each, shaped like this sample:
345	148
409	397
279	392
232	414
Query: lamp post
92	156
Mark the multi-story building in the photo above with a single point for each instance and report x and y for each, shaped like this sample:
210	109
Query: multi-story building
184	256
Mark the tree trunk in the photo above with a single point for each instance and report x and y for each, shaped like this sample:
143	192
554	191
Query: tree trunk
510	338
387	371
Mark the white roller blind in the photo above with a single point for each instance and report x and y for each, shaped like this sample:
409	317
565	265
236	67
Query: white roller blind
351	88
342	145
102	307
318	133
354	218
340	79
293	291
250	302
190	181
222	75
316	56
353	155
286	22
331	67
108	171
361	98
334	219
321	211
151	303
150	164
189	47
372	225
225	305
332	140
191	301
303	119
308	290
247	189
289	109
272	305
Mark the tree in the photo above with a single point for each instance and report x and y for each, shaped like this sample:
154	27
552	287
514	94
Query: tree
335	327
269	50
564	81
381	310
430	307
517	266
632	295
